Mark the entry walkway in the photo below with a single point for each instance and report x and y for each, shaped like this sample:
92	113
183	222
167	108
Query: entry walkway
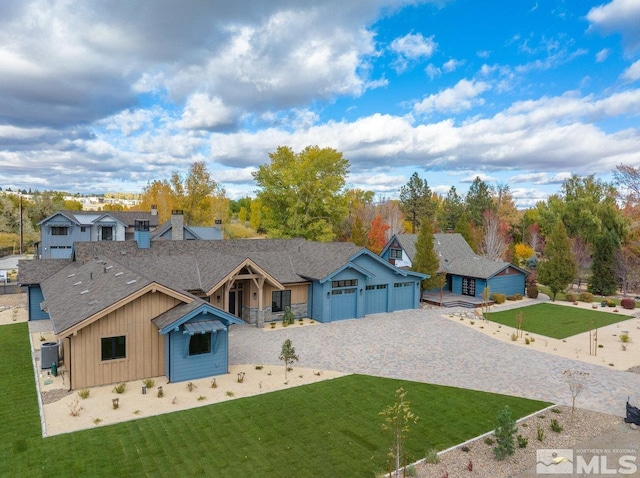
423	346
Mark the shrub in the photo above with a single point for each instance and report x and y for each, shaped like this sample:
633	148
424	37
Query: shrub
505	434
498	298
489	441
120	388
628	303
148	383
527	340
288	318
84	393
540	433
432	456
532	291
522	441
610	302
586	297
570	297
555	426
514	337
624	338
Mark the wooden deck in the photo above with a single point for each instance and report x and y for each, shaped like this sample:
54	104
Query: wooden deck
453	300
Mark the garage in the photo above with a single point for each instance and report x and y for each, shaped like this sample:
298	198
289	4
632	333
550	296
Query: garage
344	303
403	295
376	299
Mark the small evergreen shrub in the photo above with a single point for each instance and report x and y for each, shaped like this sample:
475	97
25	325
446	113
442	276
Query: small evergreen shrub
628	303
120	388
532	291
288	317
84	393
498	298
540	433
570	297
610	302
505	434
489	441
624	338
586	297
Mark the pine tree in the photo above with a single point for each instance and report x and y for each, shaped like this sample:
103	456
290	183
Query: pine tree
603	274
426	260
559	267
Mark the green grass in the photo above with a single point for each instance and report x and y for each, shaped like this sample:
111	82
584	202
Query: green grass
331	428
557	321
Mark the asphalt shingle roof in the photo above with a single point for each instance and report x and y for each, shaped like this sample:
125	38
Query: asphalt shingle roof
456	256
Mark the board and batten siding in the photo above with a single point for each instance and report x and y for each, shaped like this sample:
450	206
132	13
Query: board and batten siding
508	282
144	345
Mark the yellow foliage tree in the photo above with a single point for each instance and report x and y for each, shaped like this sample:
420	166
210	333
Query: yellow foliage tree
522	252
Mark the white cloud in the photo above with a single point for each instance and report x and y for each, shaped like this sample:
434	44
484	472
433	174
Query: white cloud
632	73
452	65
412	47
205	112
618	16
602	55
432	71
463	96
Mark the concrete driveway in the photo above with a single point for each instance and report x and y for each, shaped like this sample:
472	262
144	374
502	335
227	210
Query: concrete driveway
423	346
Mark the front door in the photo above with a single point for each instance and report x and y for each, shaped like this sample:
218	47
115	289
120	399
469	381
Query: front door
235	302
468	286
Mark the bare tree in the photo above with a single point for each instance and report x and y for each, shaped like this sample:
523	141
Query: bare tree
390	211
628	177
575	379
494	244
582	254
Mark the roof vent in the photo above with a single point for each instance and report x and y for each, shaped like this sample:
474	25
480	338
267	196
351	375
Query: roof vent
78	283
118	274
86	291
132	281
71	275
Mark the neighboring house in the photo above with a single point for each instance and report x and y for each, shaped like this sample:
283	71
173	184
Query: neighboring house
59	231
176	229
135	309
466	272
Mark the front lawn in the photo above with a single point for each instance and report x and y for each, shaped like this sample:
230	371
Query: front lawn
557	321
330	428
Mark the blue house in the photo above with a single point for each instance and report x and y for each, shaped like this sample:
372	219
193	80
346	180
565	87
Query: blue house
60	230
466	273
134	309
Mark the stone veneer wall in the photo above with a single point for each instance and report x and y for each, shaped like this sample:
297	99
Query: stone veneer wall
250	314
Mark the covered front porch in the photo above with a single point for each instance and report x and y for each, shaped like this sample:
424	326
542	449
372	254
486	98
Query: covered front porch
449	299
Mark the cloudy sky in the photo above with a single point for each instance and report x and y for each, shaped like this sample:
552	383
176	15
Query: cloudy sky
108	95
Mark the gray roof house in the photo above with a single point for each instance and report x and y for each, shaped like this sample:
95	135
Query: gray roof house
134	309
466	272
59	231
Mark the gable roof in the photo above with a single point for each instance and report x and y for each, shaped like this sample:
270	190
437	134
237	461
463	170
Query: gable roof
181	313
34	271
85	291
201	265
127	218
456	256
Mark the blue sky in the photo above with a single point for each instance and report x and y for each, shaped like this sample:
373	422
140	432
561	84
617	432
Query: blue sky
106	96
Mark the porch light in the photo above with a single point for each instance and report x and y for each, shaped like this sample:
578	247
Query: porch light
255	295
328	294
360	291
218	298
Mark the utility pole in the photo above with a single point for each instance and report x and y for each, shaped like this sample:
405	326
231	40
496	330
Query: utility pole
21	236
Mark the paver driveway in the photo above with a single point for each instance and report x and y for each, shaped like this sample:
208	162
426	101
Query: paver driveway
423	346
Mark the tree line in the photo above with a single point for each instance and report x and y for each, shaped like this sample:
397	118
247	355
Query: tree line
305	194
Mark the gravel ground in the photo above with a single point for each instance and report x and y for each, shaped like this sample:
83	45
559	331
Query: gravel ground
51	396
586	424
13	300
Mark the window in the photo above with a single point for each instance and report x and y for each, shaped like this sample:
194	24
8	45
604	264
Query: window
344	283
59	231
395	254
200	344
83	229
280	300
403	284
378	286
107	233
114	348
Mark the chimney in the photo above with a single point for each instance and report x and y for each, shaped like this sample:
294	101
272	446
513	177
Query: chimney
141	234
154	210
177	225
